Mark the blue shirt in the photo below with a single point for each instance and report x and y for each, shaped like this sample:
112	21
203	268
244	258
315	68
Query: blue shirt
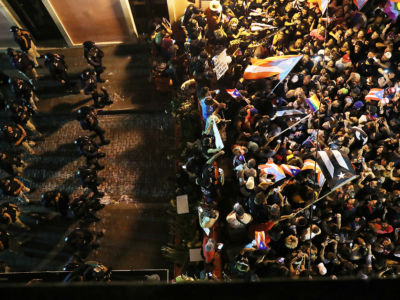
206	110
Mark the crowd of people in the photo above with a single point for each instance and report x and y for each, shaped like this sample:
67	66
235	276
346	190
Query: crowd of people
259	218
19	100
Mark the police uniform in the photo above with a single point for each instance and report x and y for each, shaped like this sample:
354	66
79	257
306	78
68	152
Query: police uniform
24	90
23	63
88	148
85	206
57	67
56	199
16	135
14	188
94	57
4	239
88	119
88	178
24	39
21	115
89	83
12	164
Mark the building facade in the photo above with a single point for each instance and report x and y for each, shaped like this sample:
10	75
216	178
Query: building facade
61	23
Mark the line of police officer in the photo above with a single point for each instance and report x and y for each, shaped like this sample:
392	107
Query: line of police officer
84	207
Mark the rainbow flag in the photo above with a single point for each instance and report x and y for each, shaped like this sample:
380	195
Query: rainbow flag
313	102
392	9
271	66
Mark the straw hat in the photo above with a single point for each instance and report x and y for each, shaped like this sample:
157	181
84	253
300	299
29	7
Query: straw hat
291	241
215	6
315	230
241	215
250	183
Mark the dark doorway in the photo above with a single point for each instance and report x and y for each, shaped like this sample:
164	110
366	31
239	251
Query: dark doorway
38	21
144	11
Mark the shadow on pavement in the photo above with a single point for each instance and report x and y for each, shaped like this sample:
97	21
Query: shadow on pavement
40	170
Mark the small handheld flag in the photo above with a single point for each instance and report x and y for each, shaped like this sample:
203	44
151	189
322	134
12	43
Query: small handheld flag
234	93
260	240
290	170
375	94
313	102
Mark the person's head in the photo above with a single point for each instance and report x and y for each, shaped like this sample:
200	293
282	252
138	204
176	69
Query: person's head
386	56
305	59
88	44
11	52
48	56
374	35
16	30
380	149
339	80
233	23
378	18
215	7
348	33
288	7
8	129
203	55
238	209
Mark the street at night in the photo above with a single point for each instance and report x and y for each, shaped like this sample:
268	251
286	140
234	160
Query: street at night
190	149
138	174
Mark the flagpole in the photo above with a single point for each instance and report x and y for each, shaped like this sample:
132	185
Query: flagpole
280	81
270	93
327	194
315	194
294	125
246	100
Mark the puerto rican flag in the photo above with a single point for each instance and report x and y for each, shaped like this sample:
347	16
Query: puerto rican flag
290	170
260	240
375	94
234	93
273	169
272	66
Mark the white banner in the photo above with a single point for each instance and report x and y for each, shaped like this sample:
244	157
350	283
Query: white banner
221	64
